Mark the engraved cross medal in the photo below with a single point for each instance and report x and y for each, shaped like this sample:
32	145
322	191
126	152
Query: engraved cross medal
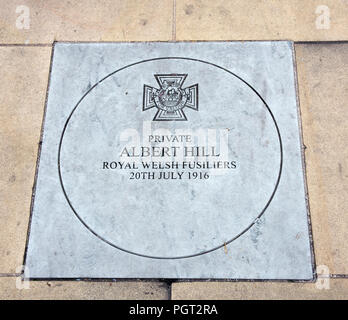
170	99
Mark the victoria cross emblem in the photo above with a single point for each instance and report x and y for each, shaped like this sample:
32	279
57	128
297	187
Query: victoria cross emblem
170	99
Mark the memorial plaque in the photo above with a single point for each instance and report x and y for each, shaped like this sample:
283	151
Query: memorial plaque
171	160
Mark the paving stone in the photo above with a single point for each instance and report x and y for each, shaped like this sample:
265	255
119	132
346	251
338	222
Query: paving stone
260	20
24	74
323	82
14	288
335	289
90	20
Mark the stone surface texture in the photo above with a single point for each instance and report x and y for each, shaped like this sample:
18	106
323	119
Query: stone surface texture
261	20
13	288
146	217
335	289
22	100
90	20
323	82
322	87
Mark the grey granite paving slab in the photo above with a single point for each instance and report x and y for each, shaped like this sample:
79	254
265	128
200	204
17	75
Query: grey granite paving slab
171	160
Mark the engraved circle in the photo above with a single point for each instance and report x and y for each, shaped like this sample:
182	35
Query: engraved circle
173	101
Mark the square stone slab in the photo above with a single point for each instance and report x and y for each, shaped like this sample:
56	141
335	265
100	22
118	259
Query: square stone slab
171	160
